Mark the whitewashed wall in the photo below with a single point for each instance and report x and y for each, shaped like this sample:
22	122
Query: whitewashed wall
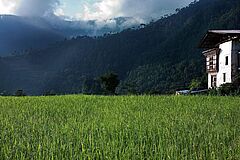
226	50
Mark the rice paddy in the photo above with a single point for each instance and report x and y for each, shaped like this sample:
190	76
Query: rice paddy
124	127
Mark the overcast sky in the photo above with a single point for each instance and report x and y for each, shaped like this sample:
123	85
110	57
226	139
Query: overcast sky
92	9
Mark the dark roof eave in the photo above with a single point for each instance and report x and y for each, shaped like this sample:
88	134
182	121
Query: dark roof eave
217	36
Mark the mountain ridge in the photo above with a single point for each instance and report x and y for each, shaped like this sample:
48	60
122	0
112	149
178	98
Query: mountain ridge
20	34
159	58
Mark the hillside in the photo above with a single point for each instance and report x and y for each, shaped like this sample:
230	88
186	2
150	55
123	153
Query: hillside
20	34
159	58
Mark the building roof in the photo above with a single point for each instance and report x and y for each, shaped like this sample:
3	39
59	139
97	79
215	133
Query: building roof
214	37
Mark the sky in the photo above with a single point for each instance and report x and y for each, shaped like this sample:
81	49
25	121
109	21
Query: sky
92	9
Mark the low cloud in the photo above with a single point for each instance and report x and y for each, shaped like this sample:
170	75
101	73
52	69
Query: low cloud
104	9
151	8
143	9
36	7
8	6
94	10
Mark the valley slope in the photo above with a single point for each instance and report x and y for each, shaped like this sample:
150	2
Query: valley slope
159	58
19	35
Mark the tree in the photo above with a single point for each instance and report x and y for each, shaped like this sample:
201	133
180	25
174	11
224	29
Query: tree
127	88
109	83
4	93
50	93
195	84
91	86
20	93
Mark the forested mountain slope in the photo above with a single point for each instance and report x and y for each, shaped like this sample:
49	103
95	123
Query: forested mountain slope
160	58
20	34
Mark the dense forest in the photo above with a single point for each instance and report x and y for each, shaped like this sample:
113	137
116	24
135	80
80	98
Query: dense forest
21	34
159	58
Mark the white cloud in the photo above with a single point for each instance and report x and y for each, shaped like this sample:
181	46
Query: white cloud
8	6
59	11
98	10
106	9
30	7
36	7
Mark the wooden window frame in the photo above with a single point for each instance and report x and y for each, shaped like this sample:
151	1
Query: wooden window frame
212	63
212	59
213	81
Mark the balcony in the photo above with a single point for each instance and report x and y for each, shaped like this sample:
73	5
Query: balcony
212	60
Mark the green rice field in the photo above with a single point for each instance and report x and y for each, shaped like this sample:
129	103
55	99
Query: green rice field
124	127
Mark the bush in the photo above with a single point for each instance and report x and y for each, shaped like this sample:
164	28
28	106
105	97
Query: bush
20	93
50	93
228	89
5	93
195	84
213	92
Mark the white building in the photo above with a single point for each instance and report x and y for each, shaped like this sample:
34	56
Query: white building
222	56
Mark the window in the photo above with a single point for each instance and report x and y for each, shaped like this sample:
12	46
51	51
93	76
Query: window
212	63
213	81
226	60
224	77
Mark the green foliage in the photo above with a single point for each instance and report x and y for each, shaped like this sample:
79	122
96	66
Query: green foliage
195	84
20	93
160	79
4	93
49	93
109	82
213	92
159	58
228	89
134	127
91	86
127	88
